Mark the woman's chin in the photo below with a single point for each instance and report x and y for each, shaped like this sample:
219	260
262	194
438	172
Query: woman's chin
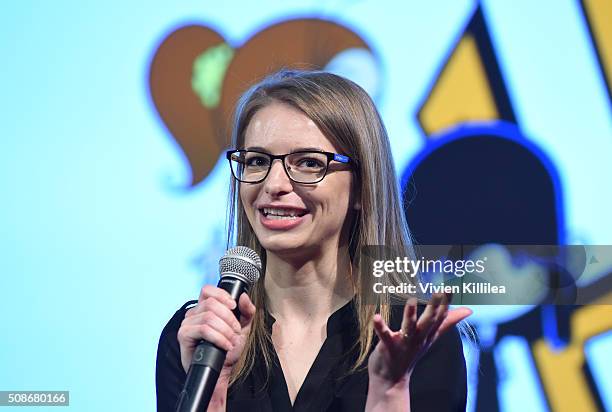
285	247
277	246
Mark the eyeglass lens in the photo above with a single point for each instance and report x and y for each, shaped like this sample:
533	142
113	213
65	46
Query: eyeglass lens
303	167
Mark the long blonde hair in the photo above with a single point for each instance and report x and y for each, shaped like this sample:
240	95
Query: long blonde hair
346	115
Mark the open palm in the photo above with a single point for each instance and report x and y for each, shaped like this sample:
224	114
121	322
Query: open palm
396	353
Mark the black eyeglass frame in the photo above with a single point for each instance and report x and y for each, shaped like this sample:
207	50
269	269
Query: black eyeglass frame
330	157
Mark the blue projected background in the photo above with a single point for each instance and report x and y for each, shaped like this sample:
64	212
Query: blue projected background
109	223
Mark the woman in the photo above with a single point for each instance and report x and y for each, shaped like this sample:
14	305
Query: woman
313	182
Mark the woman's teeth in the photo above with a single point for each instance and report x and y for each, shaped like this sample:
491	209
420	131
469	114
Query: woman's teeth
275	217
281	214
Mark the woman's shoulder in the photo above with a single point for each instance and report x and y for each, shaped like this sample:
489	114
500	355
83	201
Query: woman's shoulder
169	373
168	341
168	346
180	313
175	321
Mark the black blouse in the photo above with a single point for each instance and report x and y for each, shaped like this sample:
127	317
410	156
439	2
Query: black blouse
438	382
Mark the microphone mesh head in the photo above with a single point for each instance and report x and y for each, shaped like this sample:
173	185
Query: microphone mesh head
241	261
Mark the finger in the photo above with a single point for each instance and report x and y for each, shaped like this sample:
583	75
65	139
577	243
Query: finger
430	329
195	333
382	330
427	317
435	327
247	309
219	309
445	301
449	297
409	320
215	322
454	316
439	314
210	291
442	312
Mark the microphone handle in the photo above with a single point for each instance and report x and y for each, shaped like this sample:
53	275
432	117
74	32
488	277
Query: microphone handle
207	360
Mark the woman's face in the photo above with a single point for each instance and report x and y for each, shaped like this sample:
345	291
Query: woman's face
313	215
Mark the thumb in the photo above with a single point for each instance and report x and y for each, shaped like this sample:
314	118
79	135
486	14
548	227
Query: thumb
454	316
247	310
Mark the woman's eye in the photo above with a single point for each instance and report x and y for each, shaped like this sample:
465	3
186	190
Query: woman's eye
257	161
310	163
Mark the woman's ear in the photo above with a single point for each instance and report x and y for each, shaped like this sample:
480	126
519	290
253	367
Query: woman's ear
357	206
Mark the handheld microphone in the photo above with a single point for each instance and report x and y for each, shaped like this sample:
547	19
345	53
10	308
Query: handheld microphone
240	268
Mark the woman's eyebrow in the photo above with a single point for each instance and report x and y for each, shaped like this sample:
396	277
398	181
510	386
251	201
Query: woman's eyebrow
307	149
257	148
299	149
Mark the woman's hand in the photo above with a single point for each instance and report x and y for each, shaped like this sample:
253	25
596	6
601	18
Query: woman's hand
213	320
391	363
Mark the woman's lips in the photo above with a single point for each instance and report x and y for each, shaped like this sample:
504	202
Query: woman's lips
273	222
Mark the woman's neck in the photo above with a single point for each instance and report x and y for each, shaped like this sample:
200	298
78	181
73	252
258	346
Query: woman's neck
308	290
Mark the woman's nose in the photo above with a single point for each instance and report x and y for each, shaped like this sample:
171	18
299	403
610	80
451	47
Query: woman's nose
277	181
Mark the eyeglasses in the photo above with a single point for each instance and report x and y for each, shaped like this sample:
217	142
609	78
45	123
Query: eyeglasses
307	167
